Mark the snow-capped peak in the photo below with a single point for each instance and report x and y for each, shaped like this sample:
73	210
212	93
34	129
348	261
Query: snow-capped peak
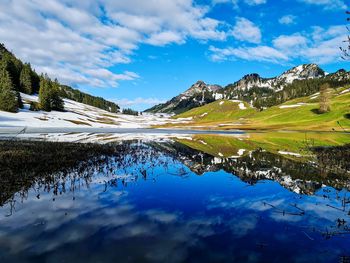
305	71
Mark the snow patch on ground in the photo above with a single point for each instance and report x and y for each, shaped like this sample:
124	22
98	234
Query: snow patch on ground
185	119
78	115
218	96
345	91
314	96
289	106
289	153
217	160
242	106
222	102
240	152
204	114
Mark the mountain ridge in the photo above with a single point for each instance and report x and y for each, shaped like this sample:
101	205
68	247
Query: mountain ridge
251	88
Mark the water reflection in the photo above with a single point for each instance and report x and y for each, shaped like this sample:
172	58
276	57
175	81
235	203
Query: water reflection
167	202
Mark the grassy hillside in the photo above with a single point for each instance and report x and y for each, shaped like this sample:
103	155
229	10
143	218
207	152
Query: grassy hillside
297	114
218	110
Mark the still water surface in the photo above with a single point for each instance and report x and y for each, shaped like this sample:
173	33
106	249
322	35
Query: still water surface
166	202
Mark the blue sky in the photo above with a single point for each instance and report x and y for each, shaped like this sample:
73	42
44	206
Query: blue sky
139	53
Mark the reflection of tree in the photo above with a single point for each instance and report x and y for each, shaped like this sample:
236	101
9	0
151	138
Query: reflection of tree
333	160
68	167
23	162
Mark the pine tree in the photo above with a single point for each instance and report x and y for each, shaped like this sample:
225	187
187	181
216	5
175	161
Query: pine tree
8	97
35	82
26	83
14	67
56	102
49	95
324	98
44	94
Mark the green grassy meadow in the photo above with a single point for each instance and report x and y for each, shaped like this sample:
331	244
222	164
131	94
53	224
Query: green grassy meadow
298	114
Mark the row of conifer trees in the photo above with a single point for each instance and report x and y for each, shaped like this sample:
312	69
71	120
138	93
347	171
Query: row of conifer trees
17	77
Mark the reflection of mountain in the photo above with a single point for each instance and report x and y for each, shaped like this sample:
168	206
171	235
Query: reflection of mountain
300	177
141	160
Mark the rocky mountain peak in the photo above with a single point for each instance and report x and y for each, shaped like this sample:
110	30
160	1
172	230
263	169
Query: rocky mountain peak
199	87
305	71
340	75
251	77
251	80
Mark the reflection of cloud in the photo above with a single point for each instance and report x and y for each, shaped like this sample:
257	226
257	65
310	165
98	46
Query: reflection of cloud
317	210
66	221
260	206
161	216
136	223
278	216
241	226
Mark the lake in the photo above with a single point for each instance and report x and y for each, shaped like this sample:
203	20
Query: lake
198	198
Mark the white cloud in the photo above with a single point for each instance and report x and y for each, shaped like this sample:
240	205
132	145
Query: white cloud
138	101
328	4
255	2
163	38
236	2
290	43
246	30
259	53
319	45
322	45
287	20
70	41
233	2
325	44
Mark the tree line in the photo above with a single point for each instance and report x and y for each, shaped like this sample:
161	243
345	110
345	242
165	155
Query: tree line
129	111
16	77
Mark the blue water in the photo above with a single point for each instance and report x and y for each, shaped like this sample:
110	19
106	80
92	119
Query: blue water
152	208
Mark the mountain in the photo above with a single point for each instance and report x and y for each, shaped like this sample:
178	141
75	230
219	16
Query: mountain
198	94
308	71
260	92
295	114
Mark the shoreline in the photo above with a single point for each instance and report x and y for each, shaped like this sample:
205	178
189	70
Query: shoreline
34	130
13	130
